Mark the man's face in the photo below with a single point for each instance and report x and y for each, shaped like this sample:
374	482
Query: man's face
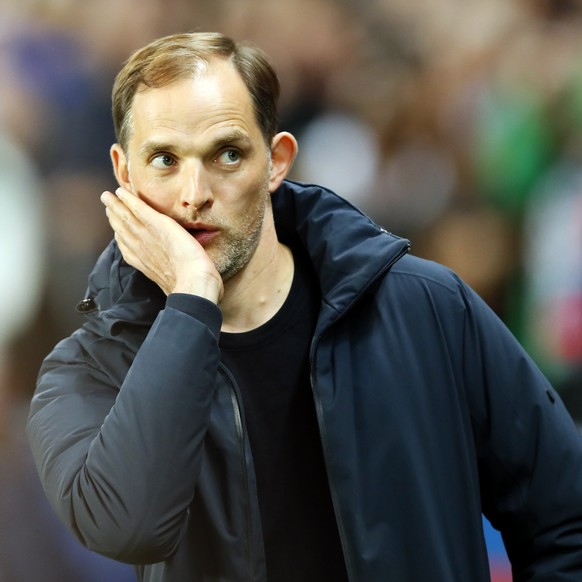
197	154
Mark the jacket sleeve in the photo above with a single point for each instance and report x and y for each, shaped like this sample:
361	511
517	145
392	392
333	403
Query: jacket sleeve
530	452
119	464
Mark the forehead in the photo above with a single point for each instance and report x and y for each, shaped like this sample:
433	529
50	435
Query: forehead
213	99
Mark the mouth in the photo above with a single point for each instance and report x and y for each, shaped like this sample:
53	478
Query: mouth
202	233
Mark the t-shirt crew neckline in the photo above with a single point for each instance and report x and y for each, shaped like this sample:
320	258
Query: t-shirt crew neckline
272	329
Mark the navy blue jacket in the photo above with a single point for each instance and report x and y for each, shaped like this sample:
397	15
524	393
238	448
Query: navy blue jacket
430	413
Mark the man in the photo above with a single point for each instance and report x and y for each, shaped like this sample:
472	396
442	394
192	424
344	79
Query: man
268	387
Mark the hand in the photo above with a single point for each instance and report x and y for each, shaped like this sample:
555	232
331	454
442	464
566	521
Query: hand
160	248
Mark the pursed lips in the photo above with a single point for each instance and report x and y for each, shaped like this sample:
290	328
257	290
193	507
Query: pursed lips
203	233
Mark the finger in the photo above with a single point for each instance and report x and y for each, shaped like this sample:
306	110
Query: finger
116	210
108	199
130	243
113	204
137	206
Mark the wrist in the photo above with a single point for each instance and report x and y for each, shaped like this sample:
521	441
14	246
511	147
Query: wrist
206	287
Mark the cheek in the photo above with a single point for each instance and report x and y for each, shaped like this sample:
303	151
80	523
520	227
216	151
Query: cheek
245	198
157	194
254	185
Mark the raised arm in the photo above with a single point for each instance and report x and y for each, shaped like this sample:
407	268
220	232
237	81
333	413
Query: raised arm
120	466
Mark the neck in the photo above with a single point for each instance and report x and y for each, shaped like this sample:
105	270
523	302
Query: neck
254	295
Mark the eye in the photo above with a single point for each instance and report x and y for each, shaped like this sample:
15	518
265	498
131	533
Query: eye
229	157
163	161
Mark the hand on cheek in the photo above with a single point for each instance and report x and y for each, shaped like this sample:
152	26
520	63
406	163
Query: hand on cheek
160	248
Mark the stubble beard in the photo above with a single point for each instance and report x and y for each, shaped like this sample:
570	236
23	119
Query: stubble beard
238	245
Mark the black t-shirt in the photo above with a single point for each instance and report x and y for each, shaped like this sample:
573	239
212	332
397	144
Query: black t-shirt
271	366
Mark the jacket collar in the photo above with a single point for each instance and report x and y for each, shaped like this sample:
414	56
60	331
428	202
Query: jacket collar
120	294
348	250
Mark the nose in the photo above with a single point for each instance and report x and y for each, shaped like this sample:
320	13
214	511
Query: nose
195	189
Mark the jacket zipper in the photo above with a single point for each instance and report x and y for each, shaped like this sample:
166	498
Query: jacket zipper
333	492
320	420
239	426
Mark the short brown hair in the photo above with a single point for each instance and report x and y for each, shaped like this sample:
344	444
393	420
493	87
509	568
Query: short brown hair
179	56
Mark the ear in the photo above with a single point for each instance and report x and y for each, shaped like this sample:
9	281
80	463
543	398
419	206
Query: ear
283	152
120	166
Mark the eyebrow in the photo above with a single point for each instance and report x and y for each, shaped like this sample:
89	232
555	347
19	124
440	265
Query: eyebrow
233	136
152	147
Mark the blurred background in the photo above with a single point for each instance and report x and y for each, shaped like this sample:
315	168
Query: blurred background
456	123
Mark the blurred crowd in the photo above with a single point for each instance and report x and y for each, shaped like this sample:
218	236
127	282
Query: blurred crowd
456	123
